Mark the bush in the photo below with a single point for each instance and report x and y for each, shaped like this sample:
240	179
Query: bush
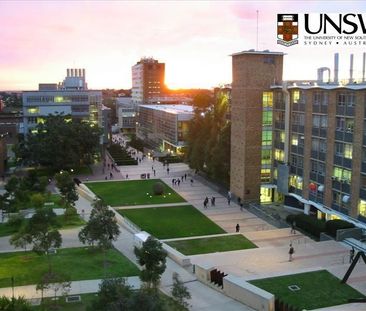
331	226
307	223
171	159
158	188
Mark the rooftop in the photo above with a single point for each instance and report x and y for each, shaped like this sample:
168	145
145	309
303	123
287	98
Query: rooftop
252	51
175	109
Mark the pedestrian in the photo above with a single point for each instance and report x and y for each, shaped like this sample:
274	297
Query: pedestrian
106	178
191	182
167	170
351	255
229	194
213	199
241	206
182	178
205	202
178	181
293	226
126	176
173	181
152	168
291	252
154	172
239	201
237	228
110	175
228	200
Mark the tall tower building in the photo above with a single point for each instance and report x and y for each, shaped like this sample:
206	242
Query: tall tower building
253	74
148	77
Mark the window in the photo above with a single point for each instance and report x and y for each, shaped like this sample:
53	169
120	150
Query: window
348	99
339	148
280	116
348	148
322	145
266	157
316	121
266	138
267	99
294	140
342	174
282	136
362	208
298	118
317	167
349	125
295	96
315	144
267	118
296	182
279	155
265	175
32	110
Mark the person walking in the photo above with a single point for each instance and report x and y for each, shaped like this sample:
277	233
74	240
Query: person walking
293	226
351	255
167	170
191	182
213	199
237	228
205	202
291	253
228	200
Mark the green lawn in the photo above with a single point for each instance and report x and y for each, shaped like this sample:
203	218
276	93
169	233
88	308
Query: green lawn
172	222
71	222
318	289
133	192
79	264
86	300
212	245
55	199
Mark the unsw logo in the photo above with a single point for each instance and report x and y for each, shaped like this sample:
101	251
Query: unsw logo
287	29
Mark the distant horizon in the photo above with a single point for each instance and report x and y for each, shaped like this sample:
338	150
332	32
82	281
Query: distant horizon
40	40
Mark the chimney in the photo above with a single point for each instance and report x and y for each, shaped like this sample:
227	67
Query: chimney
351	69
68	72
83	73
363	67
336	67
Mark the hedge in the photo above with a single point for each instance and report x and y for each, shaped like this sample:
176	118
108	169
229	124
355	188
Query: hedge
120	155
307	223
170	159
331	226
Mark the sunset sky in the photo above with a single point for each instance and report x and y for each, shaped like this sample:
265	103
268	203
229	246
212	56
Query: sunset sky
39	40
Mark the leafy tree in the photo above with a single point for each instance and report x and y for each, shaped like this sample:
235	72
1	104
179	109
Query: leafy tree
21	239
102	228
66	185
37	200
209	140
202	100
59	143
41	231
113	294
180	293
14	304
152	257
55	281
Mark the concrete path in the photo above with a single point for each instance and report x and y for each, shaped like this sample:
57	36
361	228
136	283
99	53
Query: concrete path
77	287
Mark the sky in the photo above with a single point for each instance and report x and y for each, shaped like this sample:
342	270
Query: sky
39	40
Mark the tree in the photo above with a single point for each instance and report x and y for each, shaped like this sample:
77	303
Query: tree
202	100
14	304
152	257
209	140
66	185
102	228
21	239
179	292
37	200
59	143
41	231
56	282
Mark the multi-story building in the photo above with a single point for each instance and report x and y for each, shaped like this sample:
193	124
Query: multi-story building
126	114
313	142
253	73
147	80
71	98
164	126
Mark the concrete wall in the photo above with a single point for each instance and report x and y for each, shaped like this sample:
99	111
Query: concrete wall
349	233
238	289
178	257
254	297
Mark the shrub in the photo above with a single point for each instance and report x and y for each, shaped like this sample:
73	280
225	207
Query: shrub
307	223
158	188
331	226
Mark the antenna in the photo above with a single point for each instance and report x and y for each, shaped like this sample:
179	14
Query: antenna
257	29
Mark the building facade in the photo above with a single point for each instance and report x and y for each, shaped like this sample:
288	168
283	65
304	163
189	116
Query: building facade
253	73
126	114
71	98
164	127
313	143
148	77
